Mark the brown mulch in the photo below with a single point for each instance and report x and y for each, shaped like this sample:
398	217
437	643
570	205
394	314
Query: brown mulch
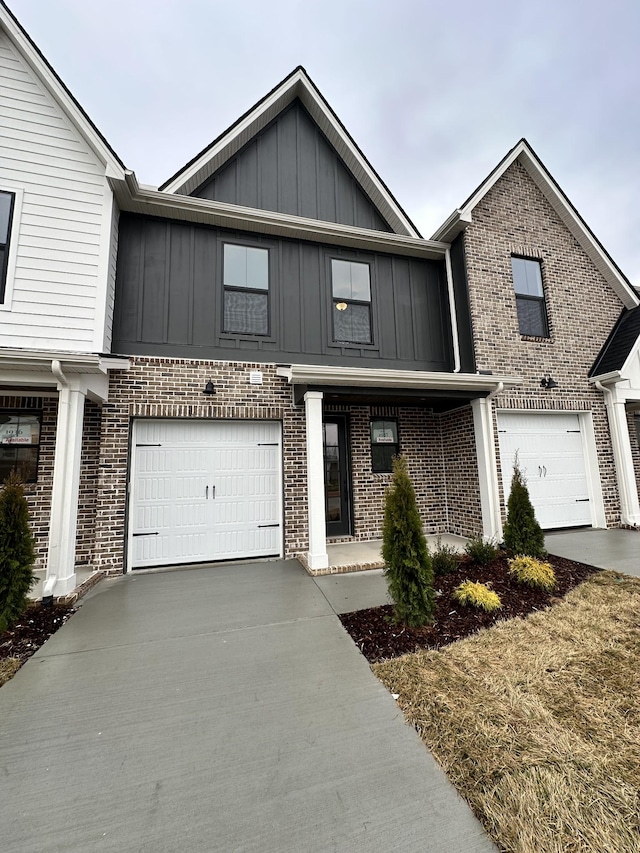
378	638
35	626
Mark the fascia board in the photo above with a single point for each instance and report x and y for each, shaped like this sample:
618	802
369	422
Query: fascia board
134	199
39	360
454	225
307	374
297	85
52	83
606	378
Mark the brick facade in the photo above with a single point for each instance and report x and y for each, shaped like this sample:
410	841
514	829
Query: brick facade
515	218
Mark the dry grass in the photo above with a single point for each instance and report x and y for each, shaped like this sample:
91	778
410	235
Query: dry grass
8	668
537	721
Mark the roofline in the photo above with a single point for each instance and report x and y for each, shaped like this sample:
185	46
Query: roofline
462	217
296	84
72	108
133	198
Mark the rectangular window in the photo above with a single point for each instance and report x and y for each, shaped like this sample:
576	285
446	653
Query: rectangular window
6	215
245	277
384	445
19	444
532	312
351	291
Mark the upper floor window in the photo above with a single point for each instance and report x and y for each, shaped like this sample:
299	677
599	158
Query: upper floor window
6	215
532	311
19	444
245	277
351	291
384	445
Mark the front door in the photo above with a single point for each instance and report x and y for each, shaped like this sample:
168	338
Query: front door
336	476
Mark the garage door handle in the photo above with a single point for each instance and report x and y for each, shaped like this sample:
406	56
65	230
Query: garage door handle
582	500
544	467
206	493
539	471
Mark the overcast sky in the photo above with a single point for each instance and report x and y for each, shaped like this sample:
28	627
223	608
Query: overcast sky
434	93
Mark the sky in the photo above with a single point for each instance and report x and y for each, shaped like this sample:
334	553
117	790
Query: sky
435	94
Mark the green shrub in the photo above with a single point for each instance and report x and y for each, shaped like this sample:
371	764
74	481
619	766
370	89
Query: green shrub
17	552
482	553
533	572
445	559
522	533
404	549
477	595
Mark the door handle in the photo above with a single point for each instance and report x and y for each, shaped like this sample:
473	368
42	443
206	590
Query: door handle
206	493
213	490
545	470
539	471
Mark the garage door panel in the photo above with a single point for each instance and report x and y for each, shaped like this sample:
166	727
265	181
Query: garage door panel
550	452
205	491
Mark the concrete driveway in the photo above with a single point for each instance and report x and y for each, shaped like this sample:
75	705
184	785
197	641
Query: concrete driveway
221	709
606	549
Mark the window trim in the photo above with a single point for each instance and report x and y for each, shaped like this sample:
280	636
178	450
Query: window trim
396	444
352	259
529	298
246	244
7	277
29	412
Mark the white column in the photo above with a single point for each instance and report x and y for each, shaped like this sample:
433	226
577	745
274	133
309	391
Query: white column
317	555
61	558
623	458
487	468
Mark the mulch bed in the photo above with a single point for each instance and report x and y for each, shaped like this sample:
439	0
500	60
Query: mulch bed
37	624
378	638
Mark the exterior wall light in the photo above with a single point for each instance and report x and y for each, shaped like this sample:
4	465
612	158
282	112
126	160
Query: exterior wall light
209	388
547	382
341	306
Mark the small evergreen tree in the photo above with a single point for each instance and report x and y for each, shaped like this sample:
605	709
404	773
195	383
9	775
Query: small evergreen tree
522	533
17	552
408	569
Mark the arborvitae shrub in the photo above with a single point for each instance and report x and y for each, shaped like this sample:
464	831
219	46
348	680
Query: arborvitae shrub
482	553
17	552
522	533
404	549
477	595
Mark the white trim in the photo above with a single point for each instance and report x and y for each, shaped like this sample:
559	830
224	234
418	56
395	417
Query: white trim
488	482
314	374
298	85
64	100
104	264
134	198
16	218
459	220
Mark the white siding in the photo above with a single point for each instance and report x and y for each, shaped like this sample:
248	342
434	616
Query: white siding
51	301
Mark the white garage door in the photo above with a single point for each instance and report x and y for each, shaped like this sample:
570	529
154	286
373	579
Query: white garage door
551	454
204	490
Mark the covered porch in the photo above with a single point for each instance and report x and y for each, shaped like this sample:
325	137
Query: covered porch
357	418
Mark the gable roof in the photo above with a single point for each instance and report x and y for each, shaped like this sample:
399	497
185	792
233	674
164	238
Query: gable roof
527	157
621	343
297	85
32	54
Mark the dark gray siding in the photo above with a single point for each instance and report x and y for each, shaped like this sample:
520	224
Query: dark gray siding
169	300
291	168
463	312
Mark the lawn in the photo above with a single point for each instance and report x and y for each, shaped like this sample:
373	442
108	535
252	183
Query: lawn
537	720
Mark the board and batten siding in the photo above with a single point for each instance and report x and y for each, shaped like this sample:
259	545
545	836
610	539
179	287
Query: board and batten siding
169	301
56	294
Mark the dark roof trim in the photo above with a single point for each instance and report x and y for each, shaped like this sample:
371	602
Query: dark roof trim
619	345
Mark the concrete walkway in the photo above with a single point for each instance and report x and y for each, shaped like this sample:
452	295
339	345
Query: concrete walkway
220	709
606	549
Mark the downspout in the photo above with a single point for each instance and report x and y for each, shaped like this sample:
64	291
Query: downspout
452	312
50	581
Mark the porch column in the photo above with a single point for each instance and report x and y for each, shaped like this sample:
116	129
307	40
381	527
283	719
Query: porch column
622	457
61	557
317	555
487	468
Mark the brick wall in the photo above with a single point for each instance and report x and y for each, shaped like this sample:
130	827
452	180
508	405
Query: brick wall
460	466
515	218
85	535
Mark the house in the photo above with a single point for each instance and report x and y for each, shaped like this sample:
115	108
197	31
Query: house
58	237
223	368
